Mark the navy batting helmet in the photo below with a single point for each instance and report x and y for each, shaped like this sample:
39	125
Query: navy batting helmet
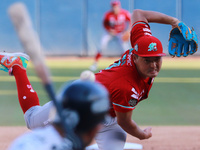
85	104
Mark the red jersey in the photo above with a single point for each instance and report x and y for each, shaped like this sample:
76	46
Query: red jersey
126	87
116	22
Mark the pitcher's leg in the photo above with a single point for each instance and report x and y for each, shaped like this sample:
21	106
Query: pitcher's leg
111	137
38	116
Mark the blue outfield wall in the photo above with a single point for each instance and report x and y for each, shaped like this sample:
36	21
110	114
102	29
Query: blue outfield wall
8	38
74	27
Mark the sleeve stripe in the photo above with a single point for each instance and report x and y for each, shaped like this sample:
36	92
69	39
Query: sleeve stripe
123	106
137	23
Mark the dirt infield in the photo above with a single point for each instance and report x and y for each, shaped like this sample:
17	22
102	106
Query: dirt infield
164	137
172	138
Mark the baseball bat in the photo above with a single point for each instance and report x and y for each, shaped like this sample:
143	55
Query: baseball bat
31	44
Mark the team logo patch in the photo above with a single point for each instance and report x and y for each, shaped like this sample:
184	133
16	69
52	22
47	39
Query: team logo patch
136	47
152	47
133	102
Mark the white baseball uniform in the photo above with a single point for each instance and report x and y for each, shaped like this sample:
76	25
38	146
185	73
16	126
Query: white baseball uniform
46	138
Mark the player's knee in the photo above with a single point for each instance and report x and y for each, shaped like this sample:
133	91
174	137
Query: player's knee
29	117
27	120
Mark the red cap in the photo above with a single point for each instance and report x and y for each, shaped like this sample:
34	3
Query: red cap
115	2
148	46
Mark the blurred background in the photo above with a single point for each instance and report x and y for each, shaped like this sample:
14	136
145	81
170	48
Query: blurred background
74	27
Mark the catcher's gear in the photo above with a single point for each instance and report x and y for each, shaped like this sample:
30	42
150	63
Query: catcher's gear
85	104
125	36
182	41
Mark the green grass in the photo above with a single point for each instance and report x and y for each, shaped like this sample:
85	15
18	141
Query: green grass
173	100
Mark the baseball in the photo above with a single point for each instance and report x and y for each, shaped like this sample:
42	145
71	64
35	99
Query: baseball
87	75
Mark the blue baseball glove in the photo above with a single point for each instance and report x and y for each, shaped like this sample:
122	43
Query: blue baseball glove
182	41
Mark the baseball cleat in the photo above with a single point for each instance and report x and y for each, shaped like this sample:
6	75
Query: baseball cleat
8	60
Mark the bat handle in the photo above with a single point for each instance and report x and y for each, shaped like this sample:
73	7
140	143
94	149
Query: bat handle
50	90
